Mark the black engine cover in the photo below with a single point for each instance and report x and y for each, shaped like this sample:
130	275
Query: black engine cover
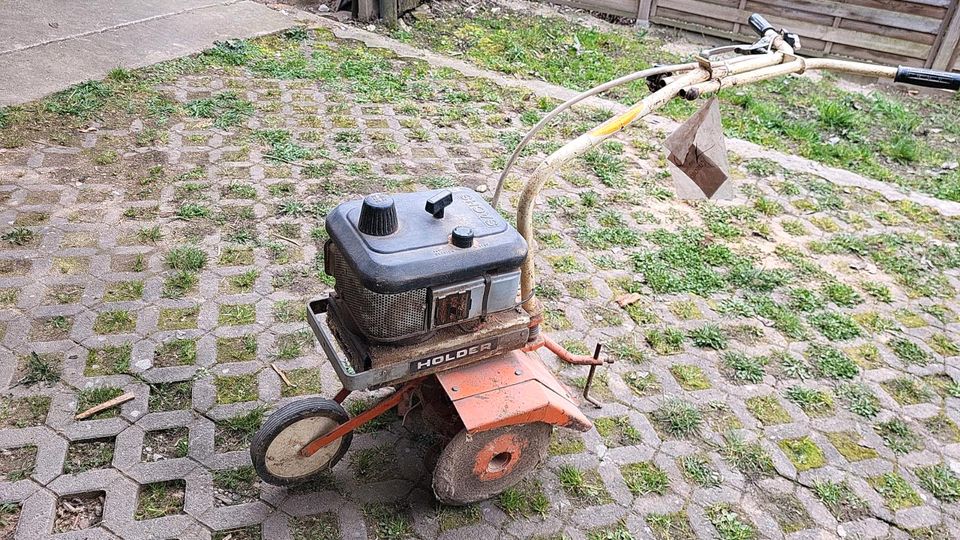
419	252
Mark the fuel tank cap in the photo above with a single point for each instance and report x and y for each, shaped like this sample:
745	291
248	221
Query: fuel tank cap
378	215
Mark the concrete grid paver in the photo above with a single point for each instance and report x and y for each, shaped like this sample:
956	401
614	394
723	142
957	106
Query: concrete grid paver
452	134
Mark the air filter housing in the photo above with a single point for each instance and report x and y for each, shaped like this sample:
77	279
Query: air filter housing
409	263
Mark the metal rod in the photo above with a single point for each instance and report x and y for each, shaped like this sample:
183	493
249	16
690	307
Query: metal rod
383	406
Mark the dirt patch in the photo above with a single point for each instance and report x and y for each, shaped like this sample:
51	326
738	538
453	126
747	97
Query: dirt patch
78	512
88	455
17	463
165	444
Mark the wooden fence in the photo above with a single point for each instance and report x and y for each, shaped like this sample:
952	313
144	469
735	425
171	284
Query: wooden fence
923	33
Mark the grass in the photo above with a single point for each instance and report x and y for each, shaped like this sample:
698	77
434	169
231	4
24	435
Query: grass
239	349
744	369
940	481
690	377
849	446
18	236
40	369
645	478
178	318
108	360
226	109
677	418
768	410
179	283
896	492
236	388
698	469
908	351
747	457
709	336
908	391
831	362
526	499
305	381
176	352
835	326
803	453
813	402
186	258
240	314
898	436
584	486
841	500
90	397
387	522
160	499
859	399
730	525
617	431
115	322
665	341
675	526
239	429
88	455
123	291
323	526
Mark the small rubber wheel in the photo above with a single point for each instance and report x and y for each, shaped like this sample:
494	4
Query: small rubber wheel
476	467
275	449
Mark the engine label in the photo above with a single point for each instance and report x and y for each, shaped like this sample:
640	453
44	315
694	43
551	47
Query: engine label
457	354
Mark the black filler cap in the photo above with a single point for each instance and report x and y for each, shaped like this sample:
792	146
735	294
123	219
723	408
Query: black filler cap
462	237
378	215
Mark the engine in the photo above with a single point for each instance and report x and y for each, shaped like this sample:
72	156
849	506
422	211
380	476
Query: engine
427	277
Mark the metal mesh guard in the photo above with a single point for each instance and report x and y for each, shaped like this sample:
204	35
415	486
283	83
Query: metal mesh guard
379	316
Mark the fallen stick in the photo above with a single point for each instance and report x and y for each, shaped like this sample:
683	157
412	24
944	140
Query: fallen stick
119	400
292	241
282	375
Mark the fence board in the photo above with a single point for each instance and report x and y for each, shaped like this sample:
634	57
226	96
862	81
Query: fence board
923	33
620	8
853	38
908	21
949	43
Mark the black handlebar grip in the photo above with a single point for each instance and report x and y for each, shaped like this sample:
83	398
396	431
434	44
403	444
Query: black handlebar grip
928	78
759	24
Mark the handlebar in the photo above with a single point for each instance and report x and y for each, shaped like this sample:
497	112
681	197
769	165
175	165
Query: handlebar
776	57
759	24
928	78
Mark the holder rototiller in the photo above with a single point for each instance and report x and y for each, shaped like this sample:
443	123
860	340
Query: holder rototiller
434	297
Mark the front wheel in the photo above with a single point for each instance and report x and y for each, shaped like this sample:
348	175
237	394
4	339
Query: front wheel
476	467
275	449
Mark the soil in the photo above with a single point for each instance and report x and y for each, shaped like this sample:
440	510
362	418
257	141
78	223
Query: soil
165	444
88	455
17	463
78	512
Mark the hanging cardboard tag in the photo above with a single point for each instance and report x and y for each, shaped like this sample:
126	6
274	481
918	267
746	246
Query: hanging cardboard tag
697	156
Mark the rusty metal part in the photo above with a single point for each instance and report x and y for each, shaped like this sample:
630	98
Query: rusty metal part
341	395
589	383
383	406
569	357
472	468
438	409
513	388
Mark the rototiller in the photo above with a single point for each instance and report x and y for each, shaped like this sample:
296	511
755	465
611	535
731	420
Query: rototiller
434	297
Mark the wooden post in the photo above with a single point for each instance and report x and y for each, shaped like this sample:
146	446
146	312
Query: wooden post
949	41
388	12
365	10
643	13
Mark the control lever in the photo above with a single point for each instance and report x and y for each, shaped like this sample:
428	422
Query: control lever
589	383
438	202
